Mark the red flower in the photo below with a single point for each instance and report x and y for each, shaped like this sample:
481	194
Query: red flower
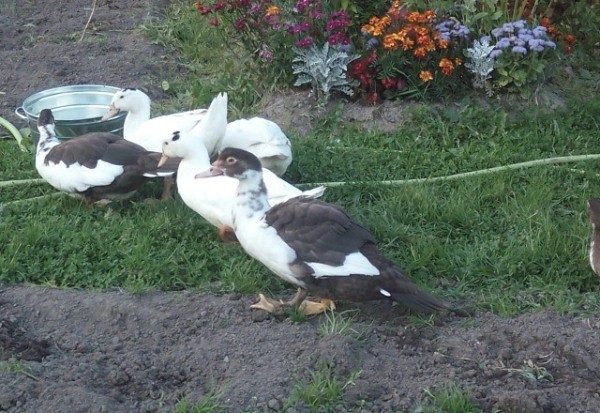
202	9
389	82
214	22
372	97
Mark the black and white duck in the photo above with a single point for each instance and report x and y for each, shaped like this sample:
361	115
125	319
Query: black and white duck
98	166
594	215
312	244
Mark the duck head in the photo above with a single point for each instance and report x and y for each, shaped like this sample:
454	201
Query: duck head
234	162
130	100
45	122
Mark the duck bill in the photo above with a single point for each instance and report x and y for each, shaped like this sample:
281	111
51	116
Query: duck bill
212	171
112	111
163	160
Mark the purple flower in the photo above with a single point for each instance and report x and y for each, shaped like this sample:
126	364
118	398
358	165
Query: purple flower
265	54
338	38
254	8
452	29
519	49
497	32
301	5
539	31
305	42
525	37
338	20
315	14
503	43
495	53
550	43
240	24
346	48
299	28
519	24
372	43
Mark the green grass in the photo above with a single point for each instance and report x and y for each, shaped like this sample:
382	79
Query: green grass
509	242
321	392
449	399
208	404
214	62
336	322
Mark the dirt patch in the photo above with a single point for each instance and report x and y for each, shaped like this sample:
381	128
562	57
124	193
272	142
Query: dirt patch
119	352
40	48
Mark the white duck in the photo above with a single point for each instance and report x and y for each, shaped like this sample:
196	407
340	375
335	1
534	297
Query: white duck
214	198
146	132
257	135
263	138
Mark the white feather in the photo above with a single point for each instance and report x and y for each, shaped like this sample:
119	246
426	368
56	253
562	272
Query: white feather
263	138
263	243
76	177
355	263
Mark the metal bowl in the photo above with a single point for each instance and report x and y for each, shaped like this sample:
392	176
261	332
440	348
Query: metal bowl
77	110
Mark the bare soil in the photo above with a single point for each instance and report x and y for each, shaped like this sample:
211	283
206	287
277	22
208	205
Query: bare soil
70	350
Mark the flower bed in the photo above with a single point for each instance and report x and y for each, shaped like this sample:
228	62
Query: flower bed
401	50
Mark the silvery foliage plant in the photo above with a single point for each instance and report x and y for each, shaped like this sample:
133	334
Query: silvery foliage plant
325	69
480	63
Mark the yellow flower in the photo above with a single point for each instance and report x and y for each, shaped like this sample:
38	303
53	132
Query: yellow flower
272	10
425	75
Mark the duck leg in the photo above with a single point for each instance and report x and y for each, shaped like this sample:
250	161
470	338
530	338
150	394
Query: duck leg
299	301
168	183
226	234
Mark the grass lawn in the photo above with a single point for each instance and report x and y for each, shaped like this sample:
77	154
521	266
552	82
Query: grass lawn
509	241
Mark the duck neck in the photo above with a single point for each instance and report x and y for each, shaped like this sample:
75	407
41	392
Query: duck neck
47	140
135	118
196	160
252	201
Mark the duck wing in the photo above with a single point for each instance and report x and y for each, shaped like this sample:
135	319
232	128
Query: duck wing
337	257
320	233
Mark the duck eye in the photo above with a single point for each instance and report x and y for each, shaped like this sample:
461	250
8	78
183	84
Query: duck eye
230	160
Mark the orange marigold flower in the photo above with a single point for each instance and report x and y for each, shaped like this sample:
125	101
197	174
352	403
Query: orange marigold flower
420	52
447	66
425	75
429	15
441	43
570	39
389	41
423	40
272	10
414	17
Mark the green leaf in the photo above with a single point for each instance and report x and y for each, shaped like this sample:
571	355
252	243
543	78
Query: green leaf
480	15
497	15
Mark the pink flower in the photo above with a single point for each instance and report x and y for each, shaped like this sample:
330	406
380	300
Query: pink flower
338	38
305	42
266	54
240	24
